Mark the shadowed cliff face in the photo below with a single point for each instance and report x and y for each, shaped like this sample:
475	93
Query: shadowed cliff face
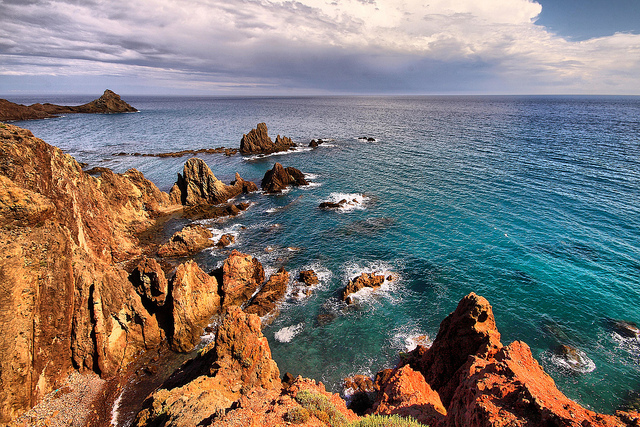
109	102
65	303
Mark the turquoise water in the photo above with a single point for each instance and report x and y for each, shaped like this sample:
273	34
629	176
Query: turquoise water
532	202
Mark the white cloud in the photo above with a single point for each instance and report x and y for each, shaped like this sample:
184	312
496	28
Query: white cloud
297	43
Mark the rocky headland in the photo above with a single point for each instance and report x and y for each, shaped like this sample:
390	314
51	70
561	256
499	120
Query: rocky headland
257	141
84	297
109	102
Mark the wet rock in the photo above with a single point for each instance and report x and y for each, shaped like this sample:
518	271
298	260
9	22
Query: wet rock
257	141
241	275
625	328
197	185
574	358
190	240
195	301
365	280
314	143
149	281
266	300
236	364
333	205
210	211
308	277
279	178
225	240
109	102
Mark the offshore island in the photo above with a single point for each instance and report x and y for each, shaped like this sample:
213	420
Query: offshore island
92	296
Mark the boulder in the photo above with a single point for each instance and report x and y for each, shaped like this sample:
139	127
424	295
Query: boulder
360	392
266	300
236	364
150	282
365	280
190	240
279	178
195	301
308	277
225	240
257	141
241	276
197	185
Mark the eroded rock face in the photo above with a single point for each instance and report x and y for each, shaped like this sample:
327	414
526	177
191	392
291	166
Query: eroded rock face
479	381
190	240
266	301
308	277
407	394
109	102
241	274
197	185
150	282
66	302
237	362
279	178
257	141
195	301
365	280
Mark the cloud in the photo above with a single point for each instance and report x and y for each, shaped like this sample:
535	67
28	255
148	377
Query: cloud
366	46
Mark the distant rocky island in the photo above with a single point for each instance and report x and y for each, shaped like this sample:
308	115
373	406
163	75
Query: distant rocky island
109	102
92	297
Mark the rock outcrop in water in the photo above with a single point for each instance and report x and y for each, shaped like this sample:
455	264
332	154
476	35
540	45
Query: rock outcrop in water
197	185
257	141
109	102
277	179
365	280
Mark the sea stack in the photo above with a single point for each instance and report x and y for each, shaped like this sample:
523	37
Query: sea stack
257	141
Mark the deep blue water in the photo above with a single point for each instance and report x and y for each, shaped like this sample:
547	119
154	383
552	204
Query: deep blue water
532	202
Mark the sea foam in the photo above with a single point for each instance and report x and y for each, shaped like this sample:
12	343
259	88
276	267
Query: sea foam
287	334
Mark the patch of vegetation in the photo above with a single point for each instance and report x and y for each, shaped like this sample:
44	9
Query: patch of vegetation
321	407
386	421
297	415
2	126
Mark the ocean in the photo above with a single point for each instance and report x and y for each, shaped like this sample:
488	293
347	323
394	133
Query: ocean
530	201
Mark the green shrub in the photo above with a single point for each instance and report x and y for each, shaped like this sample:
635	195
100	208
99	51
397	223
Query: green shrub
321	407
297	415
386	421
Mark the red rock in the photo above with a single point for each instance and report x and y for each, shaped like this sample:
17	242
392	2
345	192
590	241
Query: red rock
257	141
195	301
190	240
469	331
67	302
266	300
407	394
242	274
365	280
279	178
197	185
149	281
236	364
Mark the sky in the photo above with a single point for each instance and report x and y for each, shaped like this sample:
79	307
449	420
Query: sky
319	47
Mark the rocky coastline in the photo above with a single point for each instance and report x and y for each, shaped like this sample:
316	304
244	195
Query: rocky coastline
109	102
86	294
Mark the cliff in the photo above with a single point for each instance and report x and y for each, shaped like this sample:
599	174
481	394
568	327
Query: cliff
66	302
467	378
109	102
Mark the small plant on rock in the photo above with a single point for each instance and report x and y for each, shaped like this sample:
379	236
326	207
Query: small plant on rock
321	407
386	421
